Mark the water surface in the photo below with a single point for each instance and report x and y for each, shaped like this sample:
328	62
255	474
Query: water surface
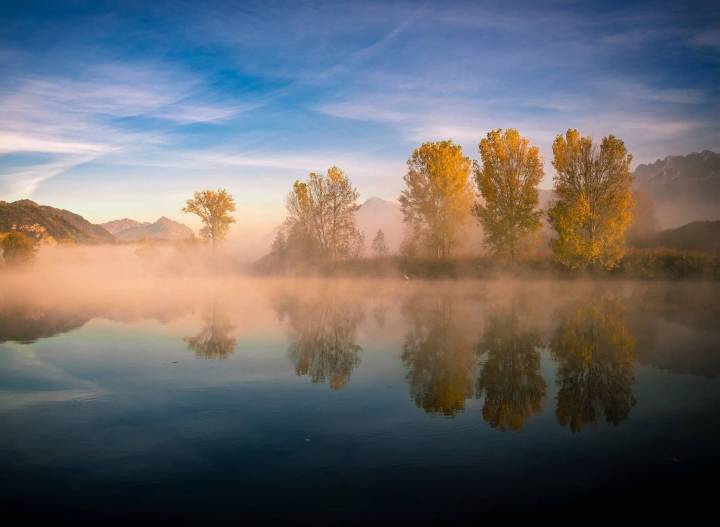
314	402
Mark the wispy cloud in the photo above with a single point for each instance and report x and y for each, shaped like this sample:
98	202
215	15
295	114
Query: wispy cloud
84	118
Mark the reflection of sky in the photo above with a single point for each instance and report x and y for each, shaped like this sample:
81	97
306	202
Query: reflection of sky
124	407
117	110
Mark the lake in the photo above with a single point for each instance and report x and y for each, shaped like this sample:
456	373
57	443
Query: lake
347	402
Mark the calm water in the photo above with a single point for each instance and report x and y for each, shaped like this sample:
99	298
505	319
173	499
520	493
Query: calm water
329	402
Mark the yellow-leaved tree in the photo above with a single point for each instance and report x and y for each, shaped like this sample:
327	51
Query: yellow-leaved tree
214	208
321	212
438	199
507	180
594	200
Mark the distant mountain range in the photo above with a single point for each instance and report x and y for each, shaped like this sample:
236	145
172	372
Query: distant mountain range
50	224
684	188
162	229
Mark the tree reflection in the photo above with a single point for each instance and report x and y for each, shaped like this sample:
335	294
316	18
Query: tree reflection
596	353
323	337
215	341
438	355
509	375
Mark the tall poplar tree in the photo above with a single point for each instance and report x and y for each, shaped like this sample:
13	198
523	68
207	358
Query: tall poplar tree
507	181
595	203
438	197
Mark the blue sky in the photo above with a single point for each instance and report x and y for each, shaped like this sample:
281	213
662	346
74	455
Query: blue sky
121	109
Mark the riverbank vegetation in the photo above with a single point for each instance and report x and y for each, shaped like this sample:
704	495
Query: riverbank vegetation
584	232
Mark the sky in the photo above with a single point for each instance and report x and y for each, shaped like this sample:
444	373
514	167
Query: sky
123	109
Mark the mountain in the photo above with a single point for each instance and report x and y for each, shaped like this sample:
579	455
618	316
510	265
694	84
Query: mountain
117	226
50	224
695	236
377	213
684	188
163	229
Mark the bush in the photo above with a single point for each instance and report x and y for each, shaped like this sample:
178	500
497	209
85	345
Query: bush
18	248
669	264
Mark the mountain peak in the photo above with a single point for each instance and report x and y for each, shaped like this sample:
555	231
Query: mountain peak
378	203
61	225
161	229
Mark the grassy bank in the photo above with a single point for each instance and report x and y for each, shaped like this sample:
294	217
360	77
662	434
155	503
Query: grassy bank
642	264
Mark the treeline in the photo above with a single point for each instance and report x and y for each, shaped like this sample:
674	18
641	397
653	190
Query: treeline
445	191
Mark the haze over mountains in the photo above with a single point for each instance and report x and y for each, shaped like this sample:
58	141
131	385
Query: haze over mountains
684	188
162	229
380	214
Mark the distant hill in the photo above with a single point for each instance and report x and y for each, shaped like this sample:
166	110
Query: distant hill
684	188
163	229
49	223
377	213
117	226
695	236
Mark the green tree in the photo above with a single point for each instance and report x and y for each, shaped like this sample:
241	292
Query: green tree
507	180
594	205
323	210
509	377
214	208
438	197
596	356
18	248
379	246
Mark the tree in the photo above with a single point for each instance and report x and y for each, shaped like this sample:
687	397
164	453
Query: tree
379	246
507	181
438	199
18	248
279	245
214	208
594	205
323	208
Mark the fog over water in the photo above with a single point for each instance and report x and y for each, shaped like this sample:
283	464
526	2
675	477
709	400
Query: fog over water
127	373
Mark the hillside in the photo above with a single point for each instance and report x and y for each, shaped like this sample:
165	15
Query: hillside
684	188
695	236
117	226
162	229
50	224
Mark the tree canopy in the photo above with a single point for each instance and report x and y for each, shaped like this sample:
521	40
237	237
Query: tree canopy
594	205
438	197
214	208
507	180
321	214
18	248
